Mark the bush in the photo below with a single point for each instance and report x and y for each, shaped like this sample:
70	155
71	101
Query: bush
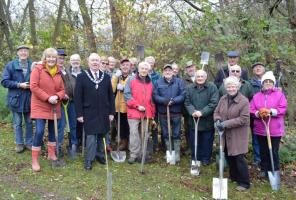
5	114
287	150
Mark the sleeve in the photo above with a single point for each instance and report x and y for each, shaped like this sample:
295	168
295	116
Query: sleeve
217	114
78	97
253	107
111	99
130	101
214	98
181	97
281	107
242	120
61	92
7	81
188	105
34	85
114	82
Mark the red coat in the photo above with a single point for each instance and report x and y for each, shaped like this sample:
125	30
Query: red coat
43	86
139	93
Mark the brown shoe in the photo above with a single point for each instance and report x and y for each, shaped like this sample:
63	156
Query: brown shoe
19	148
123	145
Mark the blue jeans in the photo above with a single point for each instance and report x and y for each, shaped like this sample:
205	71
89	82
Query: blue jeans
18	128
204	146
256	148
40	126
175	126
72	124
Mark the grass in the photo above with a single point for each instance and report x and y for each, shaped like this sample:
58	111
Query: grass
161	181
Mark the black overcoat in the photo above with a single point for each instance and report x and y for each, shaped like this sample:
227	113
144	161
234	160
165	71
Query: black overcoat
94	105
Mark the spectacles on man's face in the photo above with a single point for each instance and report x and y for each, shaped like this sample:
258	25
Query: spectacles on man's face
104	63
235	71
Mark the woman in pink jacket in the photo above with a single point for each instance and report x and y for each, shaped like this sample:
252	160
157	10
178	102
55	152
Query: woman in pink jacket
270	102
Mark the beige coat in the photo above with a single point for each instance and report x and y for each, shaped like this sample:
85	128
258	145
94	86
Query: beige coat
119	99
236	118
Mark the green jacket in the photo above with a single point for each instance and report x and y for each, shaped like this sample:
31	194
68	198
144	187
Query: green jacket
204	99
246	89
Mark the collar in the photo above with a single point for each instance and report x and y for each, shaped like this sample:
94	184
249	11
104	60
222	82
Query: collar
205	85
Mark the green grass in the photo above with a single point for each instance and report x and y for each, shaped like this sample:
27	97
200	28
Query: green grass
17	181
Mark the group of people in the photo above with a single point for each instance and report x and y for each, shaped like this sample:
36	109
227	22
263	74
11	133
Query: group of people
136	95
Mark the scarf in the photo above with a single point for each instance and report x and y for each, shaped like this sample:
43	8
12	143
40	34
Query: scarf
52	70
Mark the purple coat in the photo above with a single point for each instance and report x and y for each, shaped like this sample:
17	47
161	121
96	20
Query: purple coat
271	99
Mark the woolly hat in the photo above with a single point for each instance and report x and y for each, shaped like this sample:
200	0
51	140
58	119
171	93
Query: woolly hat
268	75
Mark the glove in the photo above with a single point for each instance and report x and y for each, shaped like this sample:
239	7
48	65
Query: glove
171	102
120	87
118	73
219	125
264	112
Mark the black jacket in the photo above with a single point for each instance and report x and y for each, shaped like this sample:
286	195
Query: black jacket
220	76
94	105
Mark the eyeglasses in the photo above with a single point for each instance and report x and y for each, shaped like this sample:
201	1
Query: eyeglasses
235	71
104	63
268	81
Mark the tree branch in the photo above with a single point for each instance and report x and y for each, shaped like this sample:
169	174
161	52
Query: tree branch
194	6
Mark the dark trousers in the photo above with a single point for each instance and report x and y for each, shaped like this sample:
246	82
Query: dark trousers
238	169
264	153
175	126
79	130
94	147
124	127
205	145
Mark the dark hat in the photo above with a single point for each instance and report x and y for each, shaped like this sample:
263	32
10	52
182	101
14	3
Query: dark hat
124	60
22	47
232	54
61	52
257	63
166	66
189	63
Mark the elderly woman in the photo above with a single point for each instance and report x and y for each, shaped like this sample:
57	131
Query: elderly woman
47	88
270	102
201	100
246	87
233	117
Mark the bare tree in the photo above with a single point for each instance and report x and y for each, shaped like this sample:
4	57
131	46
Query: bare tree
58	23
32	18
91	39
292	18
5	28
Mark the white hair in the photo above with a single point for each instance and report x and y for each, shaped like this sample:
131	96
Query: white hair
235	67
232	80
150	58
144	64
75	57
201	72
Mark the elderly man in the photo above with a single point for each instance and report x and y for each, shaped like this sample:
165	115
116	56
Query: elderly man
138	97
255	81
170	91
118	83
68	108
134	63
94	103
233	58
110	69
16	77
154	76
245	89
176	70
201	100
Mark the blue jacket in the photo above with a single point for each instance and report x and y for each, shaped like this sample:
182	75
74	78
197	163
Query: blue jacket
18	100
154	76
163	91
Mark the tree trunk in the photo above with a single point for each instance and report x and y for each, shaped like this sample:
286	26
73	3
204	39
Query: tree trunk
9	21
32	18
58	23
118	30
21	26
292	19
5	28
91	39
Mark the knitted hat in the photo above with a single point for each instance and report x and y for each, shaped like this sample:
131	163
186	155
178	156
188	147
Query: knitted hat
268	76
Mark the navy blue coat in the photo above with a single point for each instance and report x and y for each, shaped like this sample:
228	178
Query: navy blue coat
18	100
163	91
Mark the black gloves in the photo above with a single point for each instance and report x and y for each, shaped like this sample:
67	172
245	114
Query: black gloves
219	125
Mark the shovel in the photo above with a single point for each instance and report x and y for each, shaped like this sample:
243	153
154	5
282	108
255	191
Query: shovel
204	60
118	156
274	176
144	146
196	121
58	162
109	174
170	155
220	184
